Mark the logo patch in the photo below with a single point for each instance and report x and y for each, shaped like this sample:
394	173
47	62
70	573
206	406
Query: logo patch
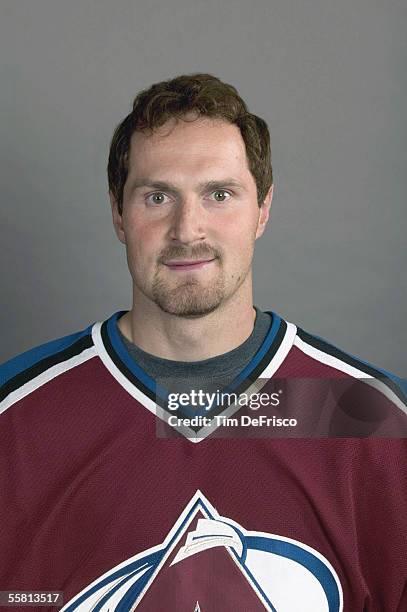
209	563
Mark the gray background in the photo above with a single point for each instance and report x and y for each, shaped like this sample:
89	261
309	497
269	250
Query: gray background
329	78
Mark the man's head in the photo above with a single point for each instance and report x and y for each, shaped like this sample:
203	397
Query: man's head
186	142
204	95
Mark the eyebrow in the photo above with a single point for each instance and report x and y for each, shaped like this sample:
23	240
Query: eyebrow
170	188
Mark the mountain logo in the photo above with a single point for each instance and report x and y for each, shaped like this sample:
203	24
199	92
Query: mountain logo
209	563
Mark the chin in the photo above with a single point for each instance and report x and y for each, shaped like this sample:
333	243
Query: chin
190	312
189	302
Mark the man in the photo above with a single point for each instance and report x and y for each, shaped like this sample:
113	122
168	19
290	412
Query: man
135	476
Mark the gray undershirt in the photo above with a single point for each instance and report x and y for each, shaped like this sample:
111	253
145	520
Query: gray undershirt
210	374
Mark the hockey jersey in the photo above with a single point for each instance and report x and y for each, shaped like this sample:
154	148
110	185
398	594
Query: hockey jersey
119	499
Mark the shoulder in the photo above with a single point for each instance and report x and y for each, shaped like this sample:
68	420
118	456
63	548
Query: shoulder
34	367
325	351
313	356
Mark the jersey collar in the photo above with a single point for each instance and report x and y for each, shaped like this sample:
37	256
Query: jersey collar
117	359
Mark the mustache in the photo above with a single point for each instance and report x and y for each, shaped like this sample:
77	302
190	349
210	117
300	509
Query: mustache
200	251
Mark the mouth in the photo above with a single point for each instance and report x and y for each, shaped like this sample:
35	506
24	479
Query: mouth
184	265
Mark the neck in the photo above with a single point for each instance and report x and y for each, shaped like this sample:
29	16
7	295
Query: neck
189	339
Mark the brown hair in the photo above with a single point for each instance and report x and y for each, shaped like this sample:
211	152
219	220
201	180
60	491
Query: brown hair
205	95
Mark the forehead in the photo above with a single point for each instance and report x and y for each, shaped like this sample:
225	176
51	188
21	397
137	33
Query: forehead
192	144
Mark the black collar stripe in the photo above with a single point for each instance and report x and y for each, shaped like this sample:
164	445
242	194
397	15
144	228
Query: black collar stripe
368	369
44	364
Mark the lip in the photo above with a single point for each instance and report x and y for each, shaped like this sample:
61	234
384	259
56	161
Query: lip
183	265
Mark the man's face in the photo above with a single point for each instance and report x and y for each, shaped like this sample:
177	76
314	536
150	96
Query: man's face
190	216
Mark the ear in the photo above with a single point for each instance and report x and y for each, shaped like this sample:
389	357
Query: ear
117	219
264	212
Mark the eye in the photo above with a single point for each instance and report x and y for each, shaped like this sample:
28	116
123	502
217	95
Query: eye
221	191
157	198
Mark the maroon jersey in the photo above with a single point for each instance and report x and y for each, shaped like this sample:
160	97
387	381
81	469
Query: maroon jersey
122	502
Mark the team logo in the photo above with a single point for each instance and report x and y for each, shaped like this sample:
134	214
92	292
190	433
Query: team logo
210	563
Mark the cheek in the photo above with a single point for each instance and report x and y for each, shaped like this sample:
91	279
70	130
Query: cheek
141	255
240	237
143	239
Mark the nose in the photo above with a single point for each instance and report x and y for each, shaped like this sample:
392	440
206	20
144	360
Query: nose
187	222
